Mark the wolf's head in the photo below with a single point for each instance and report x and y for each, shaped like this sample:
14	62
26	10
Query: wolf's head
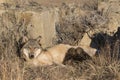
31	49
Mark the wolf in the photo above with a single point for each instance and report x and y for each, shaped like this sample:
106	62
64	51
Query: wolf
34	54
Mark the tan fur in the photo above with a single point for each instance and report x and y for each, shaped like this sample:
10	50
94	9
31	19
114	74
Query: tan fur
55	54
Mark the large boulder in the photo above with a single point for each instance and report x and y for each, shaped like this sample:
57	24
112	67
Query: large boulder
41	24
31	23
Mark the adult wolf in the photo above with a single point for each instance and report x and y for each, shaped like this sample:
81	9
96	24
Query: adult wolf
33	52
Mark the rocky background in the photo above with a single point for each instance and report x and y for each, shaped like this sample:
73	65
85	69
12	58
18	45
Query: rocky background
93	23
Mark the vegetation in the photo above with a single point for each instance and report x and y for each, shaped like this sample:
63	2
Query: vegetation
104	66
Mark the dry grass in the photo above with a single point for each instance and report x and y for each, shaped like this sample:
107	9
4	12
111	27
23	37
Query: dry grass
103	67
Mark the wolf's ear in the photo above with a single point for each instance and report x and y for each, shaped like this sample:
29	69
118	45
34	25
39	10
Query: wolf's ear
24	39
39	39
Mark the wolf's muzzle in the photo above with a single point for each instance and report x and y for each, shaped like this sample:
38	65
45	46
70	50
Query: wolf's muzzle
31	56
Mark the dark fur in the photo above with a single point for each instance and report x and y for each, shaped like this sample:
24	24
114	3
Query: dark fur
76	55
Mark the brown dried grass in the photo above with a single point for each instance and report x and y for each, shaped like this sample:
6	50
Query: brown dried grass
102	67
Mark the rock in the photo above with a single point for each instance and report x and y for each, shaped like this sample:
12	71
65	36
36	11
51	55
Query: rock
86	41
85	45
40	24
90	51
35	23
